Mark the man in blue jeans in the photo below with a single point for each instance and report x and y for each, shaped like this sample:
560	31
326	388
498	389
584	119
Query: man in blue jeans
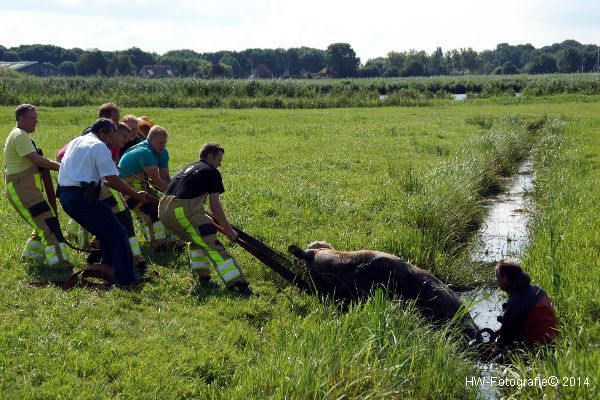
86	165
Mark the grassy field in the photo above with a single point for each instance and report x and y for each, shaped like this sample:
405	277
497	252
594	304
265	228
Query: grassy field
404	180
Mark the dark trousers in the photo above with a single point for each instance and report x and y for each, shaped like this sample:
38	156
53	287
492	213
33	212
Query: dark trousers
99	219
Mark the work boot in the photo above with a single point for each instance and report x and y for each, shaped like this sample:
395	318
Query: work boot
64	266
201	282
180	246
132	287
241	288
141	268
94	257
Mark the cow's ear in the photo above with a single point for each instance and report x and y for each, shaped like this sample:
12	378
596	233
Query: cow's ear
297	251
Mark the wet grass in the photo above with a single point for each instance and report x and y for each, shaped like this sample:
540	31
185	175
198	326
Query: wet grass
564	258
406	181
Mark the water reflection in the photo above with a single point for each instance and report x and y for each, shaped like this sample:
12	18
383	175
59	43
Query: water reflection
504	233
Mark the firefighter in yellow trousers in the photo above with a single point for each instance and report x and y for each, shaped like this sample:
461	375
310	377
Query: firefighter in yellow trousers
148	162
24	191
181	210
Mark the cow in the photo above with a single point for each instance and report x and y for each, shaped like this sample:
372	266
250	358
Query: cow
347	276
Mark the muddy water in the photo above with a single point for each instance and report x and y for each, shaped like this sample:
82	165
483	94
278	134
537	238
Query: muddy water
504	234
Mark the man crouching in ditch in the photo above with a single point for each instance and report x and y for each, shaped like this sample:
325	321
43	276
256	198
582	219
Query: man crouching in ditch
528	318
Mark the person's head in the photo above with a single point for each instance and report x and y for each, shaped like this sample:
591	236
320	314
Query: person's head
110	111
132	122
507	272
26	116
104	129
121	136
144	126
158	138
212	153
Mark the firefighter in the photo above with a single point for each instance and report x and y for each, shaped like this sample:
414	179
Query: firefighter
24	190
144	163
181	210
115	201
74	231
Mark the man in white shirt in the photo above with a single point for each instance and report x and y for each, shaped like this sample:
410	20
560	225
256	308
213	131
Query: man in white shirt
86	165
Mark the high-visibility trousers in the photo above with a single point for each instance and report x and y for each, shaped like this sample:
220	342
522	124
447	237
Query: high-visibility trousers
153	229
24	192
114	200
78	234
187	219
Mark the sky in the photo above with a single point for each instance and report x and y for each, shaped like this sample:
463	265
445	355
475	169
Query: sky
372	27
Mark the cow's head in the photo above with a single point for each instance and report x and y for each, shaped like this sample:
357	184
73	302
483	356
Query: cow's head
319	244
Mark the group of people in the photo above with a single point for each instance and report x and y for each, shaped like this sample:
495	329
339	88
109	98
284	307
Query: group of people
110	171
104	175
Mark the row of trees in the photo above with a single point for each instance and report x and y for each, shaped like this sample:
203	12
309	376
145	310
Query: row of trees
566	57
339	60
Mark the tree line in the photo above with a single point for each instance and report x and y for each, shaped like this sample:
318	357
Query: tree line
338	60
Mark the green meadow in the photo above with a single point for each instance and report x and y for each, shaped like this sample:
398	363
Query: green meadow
406	180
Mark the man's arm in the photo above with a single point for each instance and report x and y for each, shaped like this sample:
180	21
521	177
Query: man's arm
512	323
155	177
117	183
41	161
164	174
219	214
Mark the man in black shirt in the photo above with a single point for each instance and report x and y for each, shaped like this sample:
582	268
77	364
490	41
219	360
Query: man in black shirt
181	210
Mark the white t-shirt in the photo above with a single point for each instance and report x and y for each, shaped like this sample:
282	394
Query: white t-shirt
86	159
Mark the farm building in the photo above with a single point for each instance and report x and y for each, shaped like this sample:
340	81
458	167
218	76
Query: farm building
156	71
30	67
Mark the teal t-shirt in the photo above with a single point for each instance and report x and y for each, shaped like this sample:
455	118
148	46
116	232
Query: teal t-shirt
139	156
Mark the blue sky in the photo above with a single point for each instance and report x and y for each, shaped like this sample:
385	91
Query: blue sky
372	27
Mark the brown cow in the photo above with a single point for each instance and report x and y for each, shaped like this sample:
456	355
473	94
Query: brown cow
353	275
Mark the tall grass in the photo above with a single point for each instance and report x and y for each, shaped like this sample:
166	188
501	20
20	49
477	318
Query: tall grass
386	352
326	93
443	208
564	258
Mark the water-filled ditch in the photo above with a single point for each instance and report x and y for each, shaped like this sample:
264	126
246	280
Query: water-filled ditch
504	234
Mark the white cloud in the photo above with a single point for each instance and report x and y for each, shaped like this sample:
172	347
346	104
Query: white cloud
372	27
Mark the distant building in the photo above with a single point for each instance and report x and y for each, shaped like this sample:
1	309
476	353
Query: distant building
30	67
316	75
156	71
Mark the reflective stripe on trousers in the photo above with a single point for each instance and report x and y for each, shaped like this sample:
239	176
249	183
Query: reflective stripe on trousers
226	268
52	253
157	230
228	271
25	193
33	248
200	262
135	246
